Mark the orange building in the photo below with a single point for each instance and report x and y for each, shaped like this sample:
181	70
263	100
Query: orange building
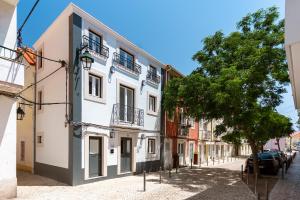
180	133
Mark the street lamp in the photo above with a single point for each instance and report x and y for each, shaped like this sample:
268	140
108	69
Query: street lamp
20	113
87	60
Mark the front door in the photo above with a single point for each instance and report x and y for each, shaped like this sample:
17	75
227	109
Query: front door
180	150
95	156
191	151
126	154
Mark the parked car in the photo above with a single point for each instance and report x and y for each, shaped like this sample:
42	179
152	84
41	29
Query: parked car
280	156
267	163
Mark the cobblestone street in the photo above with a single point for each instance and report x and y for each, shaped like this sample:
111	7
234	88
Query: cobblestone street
220	182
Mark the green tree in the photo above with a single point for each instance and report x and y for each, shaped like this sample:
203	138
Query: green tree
240	78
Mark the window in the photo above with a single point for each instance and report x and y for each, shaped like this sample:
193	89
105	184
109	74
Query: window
126	109
95	42
180	148
39	59
152	103
39	139
151	146
126	59
22	150
40	100
95	86
192	122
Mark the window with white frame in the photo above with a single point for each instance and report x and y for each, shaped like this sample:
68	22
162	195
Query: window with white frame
151	146
152	103
95	42
95	86
180	148
192	122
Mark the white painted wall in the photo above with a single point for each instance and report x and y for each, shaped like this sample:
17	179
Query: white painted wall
292	45
11	73
8	180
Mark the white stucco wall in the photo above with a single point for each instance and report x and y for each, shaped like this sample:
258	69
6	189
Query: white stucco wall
8	178
11	73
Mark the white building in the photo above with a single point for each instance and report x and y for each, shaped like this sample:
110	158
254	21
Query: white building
292	46
11	82
111	124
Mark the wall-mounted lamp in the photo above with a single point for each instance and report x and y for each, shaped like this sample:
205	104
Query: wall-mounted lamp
143	83
143	136
112	134
112	69
20	113
86	58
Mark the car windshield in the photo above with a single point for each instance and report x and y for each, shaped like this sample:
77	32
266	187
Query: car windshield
264	156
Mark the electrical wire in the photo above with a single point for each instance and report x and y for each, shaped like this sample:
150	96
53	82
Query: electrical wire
25	21
42	57
41	79
34	103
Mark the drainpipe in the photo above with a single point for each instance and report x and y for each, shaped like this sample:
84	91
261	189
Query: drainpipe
34	119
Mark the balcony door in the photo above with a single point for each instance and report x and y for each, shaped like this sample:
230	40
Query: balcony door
95	42
126	104
127	59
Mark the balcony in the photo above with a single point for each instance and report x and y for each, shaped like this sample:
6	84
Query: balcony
206	135
95	47
126	64
127	115
153	77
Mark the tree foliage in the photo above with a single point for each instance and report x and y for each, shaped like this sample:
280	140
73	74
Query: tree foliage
240	79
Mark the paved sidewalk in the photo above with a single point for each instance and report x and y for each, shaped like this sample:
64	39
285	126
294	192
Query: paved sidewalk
289	187
204	183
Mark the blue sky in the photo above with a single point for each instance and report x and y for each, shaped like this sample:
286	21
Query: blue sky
170	30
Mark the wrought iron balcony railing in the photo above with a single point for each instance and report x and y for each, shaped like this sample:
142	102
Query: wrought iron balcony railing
153	77
95	47
126	64
123	114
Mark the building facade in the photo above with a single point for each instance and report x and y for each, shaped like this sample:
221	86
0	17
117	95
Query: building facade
292	46
11	82
180	133
98	123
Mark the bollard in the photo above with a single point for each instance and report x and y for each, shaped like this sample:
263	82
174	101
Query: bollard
144	181
213	160
267	193
248	172
160	175
170	171
286	168
176	169
258	196
223	159
282	170
191	163
242	172
200	162
255	184
207	161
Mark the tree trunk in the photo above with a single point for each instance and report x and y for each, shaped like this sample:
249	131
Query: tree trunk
277	140
254	149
